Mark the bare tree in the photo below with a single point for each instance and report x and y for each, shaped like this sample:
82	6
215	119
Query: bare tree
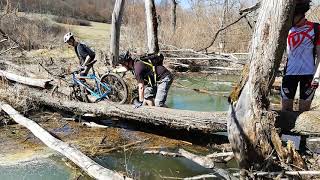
251	128
152	26
8	7
173	15
115	32
223	22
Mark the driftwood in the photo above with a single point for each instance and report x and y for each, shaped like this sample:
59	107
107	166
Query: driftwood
212	58
211	157
207	163
201	160
163	153
216	155
93	125
41	83
314	140
204	176
289	173
18	68
85	163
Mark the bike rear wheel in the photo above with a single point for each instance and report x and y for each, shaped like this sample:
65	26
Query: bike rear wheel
118	91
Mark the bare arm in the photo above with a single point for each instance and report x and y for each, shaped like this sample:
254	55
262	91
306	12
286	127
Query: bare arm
86	61
141	91
317	74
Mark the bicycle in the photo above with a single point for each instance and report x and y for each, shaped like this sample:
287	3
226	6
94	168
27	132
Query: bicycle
109	87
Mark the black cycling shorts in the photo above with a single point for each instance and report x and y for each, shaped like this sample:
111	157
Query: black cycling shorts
290	84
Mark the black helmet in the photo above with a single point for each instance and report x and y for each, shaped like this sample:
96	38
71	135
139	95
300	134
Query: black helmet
302	7
124	57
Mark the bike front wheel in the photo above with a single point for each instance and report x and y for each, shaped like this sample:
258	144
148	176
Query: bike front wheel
115	87
78	93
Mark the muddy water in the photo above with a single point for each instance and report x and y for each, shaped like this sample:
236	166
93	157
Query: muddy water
134	162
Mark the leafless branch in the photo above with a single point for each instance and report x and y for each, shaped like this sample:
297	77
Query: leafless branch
222	29
250	9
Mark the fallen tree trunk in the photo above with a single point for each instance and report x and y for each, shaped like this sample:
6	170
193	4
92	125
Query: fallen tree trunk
41	83
207	122
85	163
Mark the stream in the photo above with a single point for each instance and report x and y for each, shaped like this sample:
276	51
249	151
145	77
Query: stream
135	163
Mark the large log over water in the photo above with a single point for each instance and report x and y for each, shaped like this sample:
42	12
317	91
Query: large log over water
208	122
251	128
92	168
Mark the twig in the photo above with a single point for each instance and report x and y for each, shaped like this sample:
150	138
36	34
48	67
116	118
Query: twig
3	40
126	146
93	125
314	140
49	72
14	47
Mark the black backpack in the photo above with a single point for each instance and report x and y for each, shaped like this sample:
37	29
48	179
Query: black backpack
155	59
152	61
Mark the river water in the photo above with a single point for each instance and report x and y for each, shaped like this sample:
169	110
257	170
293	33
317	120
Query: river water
135	163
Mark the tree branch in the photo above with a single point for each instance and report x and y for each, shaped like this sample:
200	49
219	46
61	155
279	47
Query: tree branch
222	29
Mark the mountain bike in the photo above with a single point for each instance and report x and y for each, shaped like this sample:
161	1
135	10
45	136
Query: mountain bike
110	87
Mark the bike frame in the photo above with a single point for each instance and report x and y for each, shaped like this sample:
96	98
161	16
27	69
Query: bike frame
96	92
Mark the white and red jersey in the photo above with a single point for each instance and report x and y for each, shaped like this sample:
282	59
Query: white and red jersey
300	45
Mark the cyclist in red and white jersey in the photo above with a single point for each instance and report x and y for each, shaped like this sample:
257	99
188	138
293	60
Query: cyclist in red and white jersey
302	66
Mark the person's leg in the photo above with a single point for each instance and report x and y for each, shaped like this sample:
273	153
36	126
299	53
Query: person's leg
287	104
148	96
306	93
162	91
288	91
85	71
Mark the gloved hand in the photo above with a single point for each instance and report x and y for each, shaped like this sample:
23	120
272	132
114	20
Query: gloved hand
137	103
81	68
315	83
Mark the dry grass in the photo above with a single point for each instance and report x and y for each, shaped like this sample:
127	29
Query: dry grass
16	95
31	34
72	21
